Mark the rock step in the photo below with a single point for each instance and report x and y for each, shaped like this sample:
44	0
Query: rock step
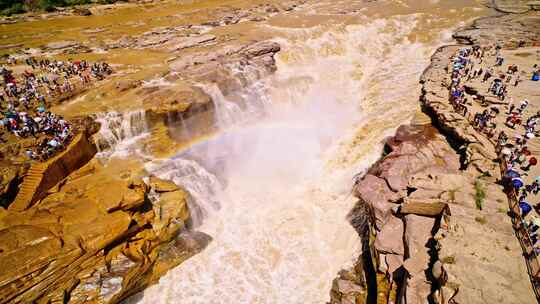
28	188
35	173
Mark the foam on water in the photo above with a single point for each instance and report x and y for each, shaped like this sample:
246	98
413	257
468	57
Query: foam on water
119	132
203	187
156	82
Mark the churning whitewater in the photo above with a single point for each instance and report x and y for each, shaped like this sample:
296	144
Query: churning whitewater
273	192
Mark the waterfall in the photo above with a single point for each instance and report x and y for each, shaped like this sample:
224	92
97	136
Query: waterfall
257	97
278	220
120	129
203	187
227	112
186	133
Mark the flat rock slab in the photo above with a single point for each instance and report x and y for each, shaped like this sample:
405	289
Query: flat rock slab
188	42
58	45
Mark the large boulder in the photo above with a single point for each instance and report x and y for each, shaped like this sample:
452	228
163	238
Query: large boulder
389	239
374	191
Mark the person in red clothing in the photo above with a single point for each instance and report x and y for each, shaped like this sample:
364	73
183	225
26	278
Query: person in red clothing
531	163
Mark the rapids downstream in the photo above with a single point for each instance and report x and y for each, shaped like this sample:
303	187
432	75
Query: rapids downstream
272	189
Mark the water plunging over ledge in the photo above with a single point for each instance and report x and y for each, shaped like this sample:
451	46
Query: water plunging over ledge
119	131
274	193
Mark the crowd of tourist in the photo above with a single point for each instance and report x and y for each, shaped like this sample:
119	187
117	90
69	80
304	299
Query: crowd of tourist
47	79
25	97
514	150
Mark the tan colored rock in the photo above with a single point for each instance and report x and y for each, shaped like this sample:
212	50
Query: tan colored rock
126	85
61	45
429	209
417	237
80	241
43	176
515	6
415	149
261	48
132	199
171	212
160	185
188	42
348	287
394	262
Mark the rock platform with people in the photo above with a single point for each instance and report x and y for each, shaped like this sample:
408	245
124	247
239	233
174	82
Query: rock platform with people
495	87
485	95
25	97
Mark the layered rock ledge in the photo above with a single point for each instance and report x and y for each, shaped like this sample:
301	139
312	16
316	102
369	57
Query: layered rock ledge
84	243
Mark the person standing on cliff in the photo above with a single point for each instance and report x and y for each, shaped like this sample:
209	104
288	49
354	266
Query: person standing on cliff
517	80
531	162
523	105
487	75
502	92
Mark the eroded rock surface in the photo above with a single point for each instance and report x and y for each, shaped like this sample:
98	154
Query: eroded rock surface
85	243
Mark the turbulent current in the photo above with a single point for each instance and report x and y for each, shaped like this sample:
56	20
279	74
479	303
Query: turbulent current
272	189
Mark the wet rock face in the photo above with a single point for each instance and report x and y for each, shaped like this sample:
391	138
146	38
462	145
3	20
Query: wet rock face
83	243
259	53
231	69
186	94
254	60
